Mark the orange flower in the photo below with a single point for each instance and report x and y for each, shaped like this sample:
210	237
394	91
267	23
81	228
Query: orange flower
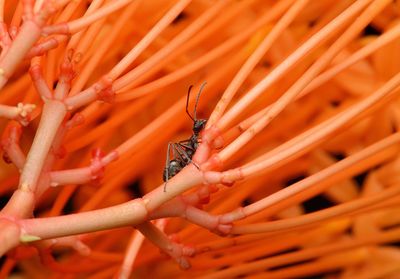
294	173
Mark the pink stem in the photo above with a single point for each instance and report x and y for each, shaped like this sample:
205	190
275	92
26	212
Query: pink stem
8	236
127	214
26	38
42	47
38	80
174	250
81	175
52	117
102	89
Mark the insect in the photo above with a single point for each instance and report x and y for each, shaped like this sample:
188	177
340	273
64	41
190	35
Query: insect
183	151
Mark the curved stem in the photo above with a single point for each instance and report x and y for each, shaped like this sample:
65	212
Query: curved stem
254	59
346	168
311	44
146	41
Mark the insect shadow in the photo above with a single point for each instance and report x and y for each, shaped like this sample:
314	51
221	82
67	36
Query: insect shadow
183	151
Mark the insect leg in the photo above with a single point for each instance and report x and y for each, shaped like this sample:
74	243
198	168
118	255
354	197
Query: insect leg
186	144
167	166
182	152
180	149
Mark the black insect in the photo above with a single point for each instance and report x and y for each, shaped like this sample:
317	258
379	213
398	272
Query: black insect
183	151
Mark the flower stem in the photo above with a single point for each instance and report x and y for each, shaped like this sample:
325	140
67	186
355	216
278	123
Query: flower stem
52	117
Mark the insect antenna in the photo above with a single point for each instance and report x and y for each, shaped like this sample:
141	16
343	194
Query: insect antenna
187	103
197	99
